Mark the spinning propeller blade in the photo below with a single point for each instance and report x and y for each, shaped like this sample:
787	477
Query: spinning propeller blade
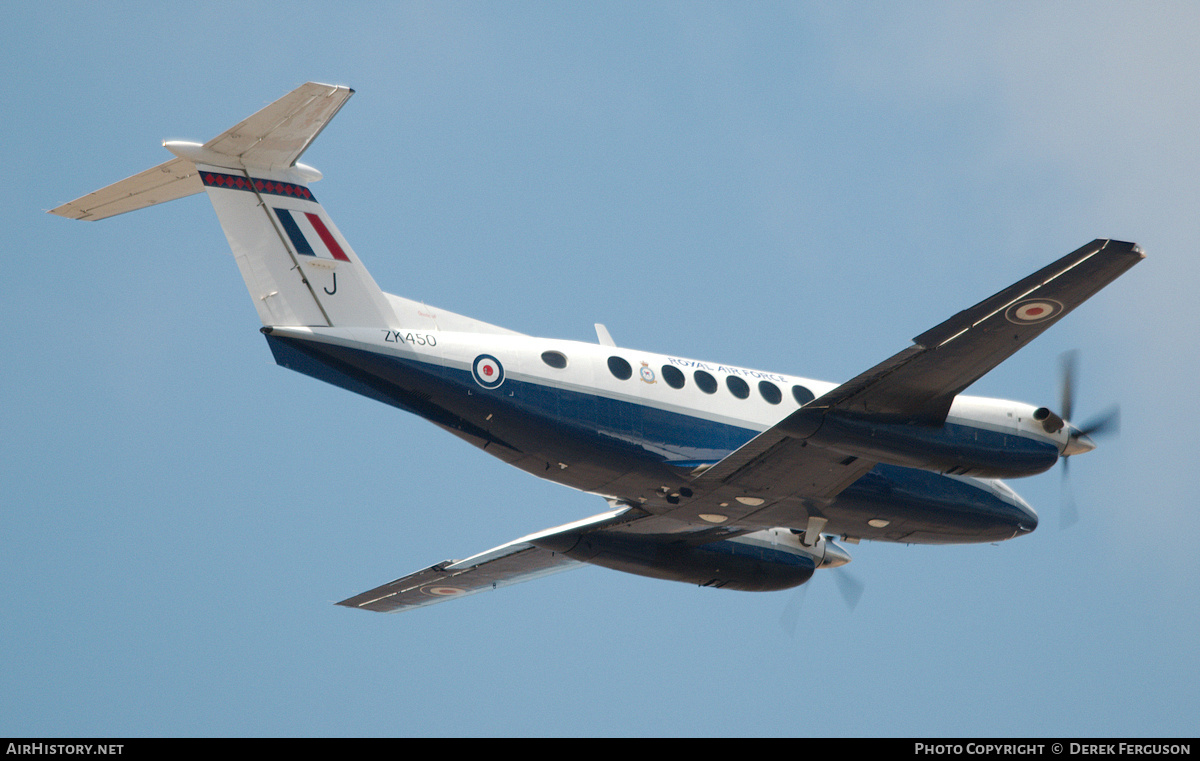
848	585
1106	423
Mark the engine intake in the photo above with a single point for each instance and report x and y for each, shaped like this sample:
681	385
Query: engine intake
1051	423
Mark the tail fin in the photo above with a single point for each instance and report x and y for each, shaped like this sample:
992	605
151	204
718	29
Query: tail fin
299	269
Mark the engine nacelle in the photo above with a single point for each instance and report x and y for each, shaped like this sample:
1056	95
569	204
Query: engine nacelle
949	448
761	561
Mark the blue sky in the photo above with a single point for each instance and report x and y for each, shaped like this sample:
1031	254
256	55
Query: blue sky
793	187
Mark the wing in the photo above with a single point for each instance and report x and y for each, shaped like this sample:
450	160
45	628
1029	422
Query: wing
519	560
508	564
780	479
530	557
919	384
773	480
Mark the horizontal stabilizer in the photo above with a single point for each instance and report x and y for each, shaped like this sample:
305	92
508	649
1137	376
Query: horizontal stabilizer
276	136
298	267
175	179
272	139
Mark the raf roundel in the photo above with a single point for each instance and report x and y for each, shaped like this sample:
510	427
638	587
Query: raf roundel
443	591
1034	310
488	371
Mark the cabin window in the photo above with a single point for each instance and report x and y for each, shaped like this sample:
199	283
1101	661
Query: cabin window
673	376
555	359
620	368
770	392
706	382
737	386
803	396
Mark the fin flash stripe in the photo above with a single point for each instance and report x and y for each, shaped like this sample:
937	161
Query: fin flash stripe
326	237
293	232
300	240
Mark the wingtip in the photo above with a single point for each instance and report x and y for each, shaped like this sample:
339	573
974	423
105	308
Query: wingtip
68	211
1125	246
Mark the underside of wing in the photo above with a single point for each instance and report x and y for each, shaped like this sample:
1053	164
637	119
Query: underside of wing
773	480
457	578
511	563
626	539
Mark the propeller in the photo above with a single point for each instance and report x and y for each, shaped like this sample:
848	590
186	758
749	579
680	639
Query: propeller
790	618
848	585
1080	440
